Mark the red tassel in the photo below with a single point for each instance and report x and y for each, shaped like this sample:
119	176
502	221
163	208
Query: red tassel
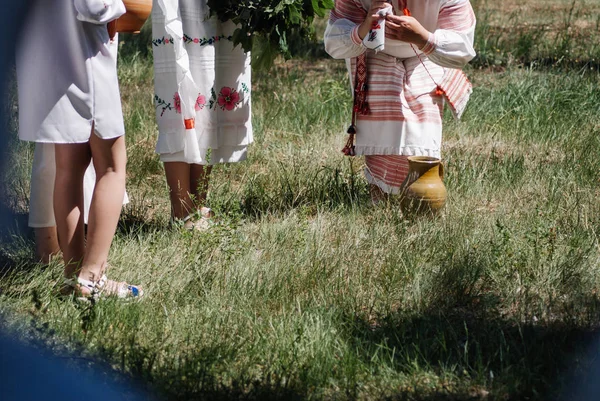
362	108
439	91
349	149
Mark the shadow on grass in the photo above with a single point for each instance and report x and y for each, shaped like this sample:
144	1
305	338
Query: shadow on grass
131	224
467	337
328	188
197	375
13	233
501	358
497	348
14	224
17	238
495	357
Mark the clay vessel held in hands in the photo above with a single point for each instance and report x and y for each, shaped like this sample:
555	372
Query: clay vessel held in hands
137	13
424	190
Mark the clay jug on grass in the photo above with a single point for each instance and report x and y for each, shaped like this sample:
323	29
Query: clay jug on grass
137	13
424	190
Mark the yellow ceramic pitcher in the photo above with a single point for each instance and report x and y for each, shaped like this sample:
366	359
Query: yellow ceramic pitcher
424	190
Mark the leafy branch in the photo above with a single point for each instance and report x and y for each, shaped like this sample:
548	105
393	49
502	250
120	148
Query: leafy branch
264	26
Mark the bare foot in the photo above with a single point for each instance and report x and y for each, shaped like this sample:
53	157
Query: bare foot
377	195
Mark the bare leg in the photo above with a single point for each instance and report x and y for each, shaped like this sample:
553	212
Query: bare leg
199	178
178	180
41	204
110	160
46	243
71	163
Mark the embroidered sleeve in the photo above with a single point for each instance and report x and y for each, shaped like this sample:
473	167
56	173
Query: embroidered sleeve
99	11
451	45
341	35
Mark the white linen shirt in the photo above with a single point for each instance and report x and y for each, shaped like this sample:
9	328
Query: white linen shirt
66	71
405	116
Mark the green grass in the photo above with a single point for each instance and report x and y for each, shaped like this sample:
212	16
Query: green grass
305	291
548	33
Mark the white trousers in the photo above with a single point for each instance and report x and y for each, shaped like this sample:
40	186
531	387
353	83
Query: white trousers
41	197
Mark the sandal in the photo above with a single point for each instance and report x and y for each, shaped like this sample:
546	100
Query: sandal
199	221
104	288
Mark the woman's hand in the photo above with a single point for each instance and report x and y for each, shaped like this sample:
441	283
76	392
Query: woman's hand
372	16
406	29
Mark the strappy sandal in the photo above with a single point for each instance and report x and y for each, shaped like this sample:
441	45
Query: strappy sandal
199	221
104	288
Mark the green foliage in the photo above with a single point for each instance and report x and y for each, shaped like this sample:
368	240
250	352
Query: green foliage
269	24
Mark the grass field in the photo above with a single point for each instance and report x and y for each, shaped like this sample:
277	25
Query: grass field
303	290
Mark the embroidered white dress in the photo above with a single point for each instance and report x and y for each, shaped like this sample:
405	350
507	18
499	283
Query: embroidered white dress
199	77
405	115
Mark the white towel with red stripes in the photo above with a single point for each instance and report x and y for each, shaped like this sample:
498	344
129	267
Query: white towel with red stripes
457	89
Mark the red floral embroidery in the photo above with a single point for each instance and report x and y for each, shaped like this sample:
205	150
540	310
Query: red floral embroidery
228	99
177	102
200	102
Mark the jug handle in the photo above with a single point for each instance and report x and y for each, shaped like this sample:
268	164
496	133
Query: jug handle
441	170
